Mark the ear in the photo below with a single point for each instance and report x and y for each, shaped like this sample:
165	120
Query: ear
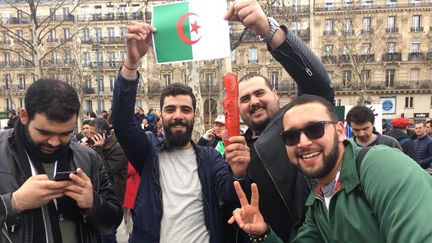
23	116
340	129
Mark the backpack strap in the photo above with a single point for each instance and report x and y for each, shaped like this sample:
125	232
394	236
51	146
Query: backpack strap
404	141
360	156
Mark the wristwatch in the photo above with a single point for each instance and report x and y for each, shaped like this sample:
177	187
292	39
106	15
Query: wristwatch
274	26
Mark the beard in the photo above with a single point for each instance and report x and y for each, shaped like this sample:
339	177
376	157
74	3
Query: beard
329	162
258	126
178	139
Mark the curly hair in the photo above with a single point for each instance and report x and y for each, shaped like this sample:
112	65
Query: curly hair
56	99
175	89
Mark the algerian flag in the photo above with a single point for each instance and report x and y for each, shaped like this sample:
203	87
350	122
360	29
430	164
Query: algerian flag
190	31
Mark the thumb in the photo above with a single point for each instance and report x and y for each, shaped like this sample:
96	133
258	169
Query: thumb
41	177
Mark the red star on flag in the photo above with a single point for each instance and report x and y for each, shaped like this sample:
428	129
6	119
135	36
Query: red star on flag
195	27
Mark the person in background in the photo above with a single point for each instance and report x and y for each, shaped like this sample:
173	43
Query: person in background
12	115
139	115
429	127
423	145
132	183
213	136
398	131
361	119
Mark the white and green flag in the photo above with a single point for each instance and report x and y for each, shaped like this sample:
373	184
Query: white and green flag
190	31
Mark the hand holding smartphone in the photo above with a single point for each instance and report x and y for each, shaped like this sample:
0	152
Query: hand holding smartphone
63	175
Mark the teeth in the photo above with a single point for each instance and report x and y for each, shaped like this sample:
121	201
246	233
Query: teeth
308	156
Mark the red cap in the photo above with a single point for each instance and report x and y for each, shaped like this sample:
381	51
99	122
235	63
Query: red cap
400	122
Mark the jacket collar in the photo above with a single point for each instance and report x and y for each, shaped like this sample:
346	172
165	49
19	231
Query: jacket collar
348	175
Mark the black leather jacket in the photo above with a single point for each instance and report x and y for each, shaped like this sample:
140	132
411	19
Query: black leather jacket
105	217
283	188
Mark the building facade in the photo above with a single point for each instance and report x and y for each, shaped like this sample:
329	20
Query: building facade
374	51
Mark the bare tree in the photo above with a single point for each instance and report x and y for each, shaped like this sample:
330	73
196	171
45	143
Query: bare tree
38	39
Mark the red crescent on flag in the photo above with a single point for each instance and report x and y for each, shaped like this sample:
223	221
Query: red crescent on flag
180	29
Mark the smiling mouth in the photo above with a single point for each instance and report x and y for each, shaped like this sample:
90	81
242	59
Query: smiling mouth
309	155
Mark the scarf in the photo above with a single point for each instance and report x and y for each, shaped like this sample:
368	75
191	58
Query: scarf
66	207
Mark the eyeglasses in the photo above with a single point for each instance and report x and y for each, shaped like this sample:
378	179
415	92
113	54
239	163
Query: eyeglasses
313	131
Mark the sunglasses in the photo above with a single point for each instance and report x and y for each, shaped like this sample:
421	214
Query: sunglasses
312	131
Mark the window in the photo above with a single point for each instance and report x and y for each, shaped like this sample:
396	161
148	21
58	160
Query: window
391	3
366	25
88	105
6	39
7	80
67	57
338	102
346	49
391	47
123	31
167	79
328	27
390	78
21	102
253	56
414	74
111	59
6	59
367	3
415	48
8	104
66	34
346	78
99	57
328	4
66	13
54	57
391	24
365	74
416	23
21	60
112	79
52	14
21	82
122	55
209	79
111	34
185	78
52	36
19	16
87	59
366	48
347	26
88	82
122	11
328	50
98	32
68	79
100	83
416	2
101	105
136	12
274	79
97	12
86	34
348	4
110	12
409	102
20	35
296	27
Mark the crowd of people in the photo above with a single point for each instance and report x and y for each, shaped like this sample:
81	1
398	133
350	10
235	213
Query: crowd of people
293	176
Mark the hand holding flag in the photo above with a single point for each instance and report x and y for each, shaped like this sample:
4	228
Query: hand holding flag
250	14
138	41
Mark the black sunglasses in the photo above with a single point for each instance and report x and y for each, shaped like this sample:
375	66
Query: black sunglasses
313	131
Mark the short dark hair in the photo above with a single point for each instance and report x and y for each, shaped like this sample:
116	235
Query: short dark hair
305	99
254	75
175	89
100	124
86	121
56	99
429	121
360	114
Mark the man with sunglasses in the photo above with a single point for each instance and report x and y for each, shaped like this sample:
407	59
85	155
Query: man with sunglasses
284	189
386	200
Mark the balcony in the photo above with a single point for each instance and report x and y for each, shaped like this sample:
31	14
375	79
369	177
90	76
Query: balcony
344	59
366	58
206	88
414	84
348	32
329	32
392	30
88	90
154	89
15	20
12	89
367	32
417	29
6	42
329	59
57	63
15	64
416	56
392	57
121	16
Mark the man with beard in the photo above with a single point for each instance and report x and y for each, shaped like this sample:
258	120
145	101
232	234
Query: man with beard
284	189
37	205
386	200
181	183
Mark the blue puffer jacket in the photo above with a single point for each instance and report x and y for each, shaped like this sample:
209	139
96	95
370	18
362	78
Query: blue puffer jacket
142	148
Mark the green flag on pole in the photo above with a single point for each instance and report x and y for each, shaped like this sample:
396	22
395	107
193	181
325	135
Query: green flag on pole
190	31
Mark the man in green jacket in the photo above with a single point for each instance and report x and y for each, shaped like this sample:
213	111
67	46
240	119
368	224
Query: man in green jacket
387	200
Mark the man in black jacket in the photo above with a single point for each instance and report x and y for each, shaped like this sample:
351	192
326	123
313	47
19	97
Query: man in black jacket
283	188
37	205
398	131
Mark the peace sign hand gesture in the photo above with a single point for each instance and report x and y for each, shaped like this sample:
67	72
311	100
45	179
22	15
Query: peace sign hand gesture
248	217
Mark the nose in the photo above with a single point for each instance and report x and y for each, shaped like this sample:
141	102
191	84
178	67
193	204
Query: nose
254	99
54	140
304	140
178	115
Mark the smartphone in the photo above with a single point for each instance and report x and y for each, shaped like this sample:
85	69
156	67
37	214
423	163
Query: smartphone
63	175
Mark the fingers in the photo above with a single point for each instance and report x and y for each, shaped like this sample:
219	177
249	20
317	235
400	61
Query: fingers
237	215
80	178
255	195
139	31
240	194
